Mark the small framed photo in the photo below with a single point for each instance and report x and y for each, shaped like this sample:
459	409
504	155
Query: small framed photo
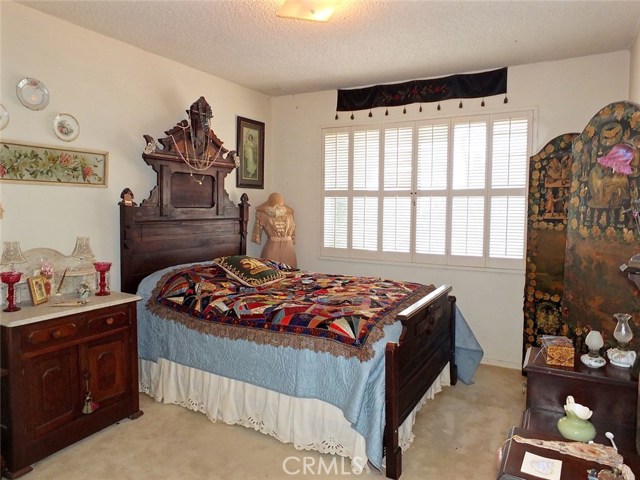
37	290
250	144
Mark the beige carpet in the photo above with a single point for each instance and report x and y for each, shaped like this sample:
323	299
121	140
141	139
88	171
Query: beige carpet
457	436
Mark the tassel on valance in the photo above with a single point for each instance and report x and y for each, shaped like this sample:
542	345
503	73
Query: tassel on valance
466	85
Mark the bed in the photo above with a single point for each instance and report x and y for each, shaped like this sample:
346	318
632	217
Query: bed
189	219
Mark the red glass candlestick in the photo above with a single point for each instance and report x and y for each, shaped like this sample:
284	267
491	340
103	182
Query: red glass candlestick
10	278
102	268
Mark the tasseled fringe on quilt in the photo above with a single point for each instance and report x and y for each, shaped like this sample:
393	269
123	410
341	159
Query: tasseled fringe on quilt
283	339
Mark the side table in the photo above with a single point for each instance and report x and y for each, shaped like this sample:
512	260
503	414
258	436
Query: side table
608	391
72	371
511	455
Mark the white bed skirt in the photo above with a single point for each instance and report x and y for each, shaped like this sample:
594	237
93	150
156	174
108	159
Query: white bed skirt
308	424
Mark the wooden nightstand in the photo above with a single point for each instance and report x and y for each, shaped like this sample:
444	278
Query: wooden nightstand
608	391
50	353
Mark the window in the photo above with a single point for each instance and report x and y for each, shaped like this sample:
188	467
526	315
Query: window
447	191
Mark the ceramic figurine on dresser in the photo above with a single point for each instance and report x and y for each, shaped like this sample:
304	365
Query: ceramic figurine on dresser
84	291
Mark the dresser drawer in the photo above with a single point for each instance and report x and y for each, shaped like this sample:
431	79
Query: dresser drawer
105	320
73	328
50	335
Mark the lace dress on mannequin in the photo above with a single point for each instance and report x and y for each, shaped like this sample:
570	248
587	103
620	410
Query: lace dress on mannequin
276	220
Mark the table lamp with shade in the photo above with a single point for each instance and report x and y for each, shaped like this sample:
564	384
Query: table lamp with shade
82	251
11	255
82	268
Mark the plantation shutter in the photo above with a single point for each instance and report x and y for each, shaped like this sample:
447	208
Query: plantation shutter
335	222
336	183
431	200
448	191
365	223
467	226
468	195
469	154
507	227
510	146
431	225
336	161
396	213
366	160
366	184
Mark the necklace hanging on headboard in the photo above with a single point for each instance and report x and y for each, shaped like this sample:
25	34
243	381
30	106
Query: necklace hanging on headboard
198	125
195	162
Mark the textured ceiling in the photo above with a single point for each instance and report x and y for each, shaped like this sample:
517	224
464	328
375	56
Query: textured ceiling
366	41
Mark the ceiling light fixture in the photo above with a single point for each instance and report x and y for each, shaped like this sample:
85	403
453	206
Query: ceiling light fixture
316	10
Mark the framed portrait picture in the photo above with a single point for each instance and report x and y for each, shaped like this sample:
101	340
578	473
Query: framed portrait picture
37	290
250	143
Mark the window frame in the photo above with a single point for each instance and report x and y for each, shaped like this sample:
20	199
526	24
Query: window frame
487	193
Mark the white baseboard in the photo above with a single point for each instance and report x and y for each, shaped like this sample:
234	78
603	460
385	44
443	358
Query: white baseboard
501	363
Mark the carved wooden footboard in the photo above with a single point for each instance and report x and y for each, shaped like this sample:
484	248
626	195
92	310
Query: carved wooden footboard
426	345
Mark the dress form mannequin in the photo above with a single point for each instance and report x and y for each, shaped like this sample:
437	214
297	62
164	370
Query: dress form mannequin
276	219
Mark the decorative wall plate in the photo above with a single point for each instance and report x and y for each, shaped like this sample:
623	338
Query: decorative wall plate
32	93
4	117
66	127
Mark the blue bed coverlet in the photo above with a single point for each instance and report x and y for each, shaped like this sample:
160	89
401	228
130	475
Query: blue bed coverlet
468	350
356	387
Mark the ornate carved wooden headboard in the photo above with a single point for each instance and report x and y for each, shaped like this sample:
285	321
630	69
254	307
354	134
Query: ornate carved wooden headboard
188	216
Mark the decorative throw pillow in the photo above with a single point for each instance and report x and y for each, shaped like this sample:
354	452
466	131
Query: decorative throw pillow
249	271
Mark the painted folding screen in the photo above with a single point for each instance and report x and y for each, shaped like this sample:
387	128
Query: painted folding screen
602	232
549	188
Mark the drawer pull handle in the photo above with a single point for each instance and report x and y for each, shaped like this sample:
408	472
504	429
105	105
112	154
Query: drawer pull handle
56	334
109	321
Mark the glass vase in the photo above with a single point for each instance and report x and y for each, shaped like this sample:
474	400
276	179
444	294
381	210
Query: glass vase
10	278
572	427
102	268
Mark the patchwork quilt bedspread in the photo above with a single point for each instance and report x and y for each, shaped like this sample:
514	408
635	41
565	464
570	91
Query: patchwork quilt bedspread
338	314
334	374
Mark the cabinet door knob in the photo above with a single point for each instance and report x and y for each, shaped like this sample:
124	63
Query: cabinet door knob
109	321
56	334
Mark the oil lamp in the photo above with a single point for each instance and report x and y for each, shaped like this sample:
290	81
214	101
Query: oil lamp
595	342
622	356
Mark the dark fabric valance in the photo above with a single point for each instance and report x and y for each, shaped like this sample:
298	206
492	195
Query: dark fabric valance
464	85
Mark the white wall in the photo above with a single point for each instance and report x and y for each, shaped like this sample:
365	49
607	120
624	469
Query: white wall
634	76
117	93
565	95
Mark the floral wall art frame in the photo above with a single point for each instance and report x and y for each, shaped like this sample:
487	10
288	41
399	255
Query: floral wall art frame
250	147
31	163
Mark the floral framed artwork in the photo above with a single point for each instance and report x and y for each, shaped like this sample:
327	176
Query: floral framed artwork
37	290
250	144
25	162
